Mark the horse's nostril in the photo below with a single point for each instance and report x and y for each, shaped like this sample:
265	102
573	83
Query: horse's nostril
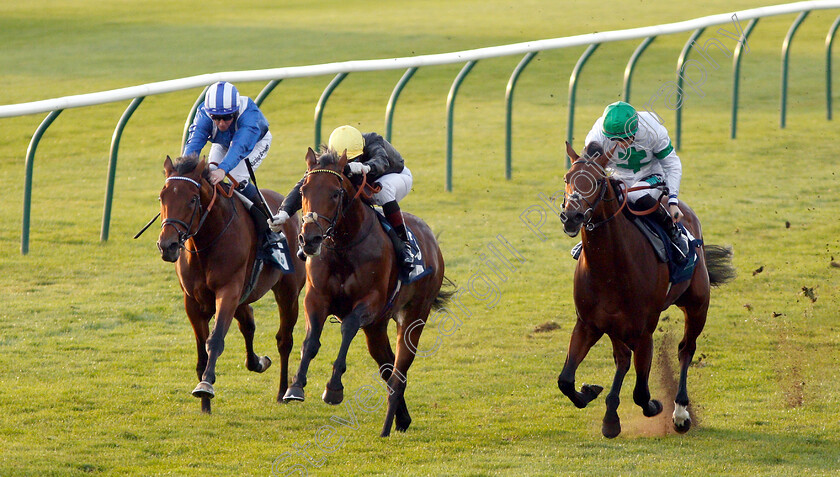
317	239
563	216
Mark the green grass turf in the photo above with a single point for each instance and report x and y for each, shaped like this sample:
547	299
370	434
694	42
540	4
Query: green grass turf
97	358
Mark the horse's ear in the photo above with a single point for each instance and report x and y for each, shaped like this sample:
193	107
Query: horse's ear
571	152
311	160
610	154
342	161
201	165
167	165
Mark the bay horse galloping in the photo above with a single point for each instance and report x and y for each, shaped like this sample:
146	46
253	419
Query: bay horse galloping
352	273
620	288
220	239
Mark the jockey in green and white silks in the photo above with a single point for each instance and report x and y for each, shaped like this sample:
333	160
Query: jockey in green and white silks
643	156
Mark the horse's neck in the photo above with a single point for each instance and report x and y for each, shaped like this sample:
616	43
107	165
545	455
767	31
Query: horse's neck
613	240
219	219
356	221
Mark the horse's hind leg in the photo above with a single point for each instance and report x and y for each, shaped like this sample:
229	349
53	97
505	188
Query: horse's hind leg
200	322
245	317
397	380
380	350
642	357
611	426
583	338
695	320
287	304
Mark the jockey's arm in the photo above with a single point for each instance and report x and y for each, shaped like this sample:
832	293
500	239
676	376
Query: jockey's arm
200	131
293	201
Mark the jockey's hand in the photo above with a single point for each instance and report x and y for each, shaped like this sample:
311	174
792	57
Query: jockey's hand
216	176
358	168
275	223
676	213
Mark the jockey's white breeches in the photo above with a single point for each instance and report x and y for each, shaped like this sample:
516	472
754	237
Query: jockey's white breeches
240	172
395	186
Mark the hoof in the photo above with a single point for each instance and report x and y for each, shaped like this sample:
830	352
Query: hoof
332	396
204	390
265	363
591	391
402	425
611	427
653	408
294	393
682	419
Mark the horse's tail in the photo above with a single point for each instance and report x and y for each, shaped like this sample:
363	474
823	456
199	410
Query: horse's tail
719	264
447	291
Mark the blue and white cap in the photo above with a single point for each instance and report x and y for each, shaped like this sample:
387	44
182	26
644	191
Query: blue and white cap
222	98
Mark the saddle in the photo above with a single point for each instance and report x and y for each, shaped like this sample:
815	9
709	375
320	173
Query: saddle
663	248
419	268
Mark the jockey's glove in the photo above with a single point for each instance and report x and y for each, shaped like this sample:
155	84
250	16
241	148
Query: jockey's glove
275	223
358	168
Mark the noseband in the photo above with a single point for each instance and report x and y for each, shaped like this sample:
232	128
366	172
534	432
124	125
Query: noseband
178	225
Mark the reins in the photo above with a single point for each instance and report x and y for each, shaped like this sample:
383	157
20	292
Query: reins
184	236
603	183
328	233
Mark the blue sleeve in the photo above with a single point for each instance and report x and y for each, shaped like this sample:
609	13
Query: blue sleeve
251	126
200	131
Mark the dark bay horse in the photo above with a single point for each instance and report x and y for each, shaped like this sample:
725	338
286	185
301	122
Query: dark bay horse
620	289
220	240
352	273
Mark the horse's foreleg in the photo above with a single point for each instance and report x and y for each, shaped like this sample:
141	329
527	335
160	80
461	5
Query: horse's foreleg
695	319
225	306
287	304
245	317
334	392
611	426
642	357
583	338
200	322
315	317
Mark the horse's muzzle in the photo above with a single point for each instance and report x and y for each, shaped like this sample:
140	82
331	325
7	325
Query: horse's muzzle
572	221
169	250
311	245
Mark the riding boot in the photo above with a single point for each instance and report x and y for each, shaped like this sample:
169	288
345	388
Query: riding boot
270	240
663	218
399	237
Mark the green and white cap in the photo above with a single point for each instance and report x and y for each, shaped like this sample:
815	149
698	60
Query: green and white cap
620	120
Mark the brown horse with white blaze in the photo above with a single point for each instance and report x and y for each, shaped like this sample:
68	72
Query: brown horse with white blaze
620	289
352	273
219	243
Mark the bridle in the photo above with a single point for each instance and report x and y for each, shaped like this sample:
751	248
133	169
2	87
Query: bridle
341	211
183	228
574	196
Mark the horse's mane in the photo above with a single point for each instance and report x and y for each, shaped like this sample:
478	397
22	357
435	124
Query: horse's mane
186	164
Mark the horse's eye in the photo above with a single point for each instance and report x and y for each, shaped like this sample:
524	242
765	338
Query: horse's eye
192	201
335	195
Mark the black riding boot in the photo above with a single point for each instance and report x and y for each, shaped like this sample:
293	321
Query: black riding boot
399	237
663	218
270	240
